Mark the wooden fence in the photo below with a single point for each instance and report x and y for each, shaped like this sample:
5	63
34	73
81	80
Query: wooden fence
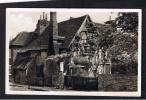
81	83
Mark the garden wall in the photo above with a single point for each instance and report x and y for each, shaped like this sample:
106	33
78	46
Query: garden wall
117	82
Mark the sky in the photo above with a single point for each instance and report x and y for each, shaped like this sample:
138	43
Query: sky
18	20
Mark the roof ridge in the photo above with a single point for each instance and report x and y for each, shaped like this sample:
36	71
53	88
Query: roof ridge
74	18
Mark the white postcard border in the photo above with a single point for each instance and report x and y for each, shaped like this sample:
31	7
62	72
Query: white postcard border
75	93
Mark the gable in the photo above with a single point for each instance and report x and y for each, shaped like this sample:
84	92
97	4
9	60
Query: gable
69	28
86	25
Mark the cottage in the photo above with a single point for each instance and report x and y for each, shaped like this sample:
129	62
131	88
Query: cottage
34	62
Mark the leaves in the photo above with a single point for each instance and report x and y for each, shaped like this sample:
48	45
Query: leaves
122	45
128	21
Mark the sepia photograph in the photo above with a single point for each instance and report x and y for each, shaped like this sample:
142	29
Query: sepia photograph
79	52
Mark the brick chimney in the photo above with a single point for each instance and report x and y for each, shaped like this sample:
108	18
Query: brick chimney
53	23
53	32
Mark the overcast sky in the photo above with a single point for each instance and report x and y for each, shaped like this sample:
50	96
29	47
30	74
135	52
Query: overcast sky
18	20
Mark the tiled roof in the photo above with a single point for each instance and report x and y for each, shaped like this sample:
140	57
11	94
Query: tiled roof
40	43
69	28
23	38
66	30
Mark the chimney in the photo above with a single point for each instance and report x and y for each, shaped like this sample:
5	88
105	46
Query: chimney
53	23
53	32
71	18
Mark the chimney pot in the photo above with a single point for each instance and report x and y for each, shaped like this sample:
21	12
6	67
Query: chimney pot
40	17
46	16
43	15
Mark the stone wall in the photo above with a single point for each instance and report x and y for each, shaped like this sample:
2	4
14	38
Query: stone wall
117	82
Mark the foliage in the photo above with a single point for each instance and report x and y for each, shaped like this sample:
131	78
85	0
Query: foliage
128	21
81	61
122	46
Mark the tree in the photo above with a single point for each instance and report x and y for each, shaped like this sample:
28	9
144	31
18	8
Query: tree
122	45
128	21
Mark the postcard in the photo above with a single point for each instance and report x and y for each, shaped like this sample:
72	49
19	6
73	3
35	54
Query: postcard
73	52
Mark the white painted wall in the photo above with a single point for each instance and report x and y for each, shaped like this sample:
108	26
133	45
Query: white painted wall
61	66
43	54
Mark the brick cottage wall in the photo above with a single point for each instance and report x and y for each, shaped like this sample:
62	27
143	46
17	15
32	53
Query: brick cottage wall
53	73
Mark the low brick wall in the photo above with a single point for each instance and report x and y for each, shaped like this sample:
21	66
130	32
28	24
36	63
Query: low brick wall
117	82
38	81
